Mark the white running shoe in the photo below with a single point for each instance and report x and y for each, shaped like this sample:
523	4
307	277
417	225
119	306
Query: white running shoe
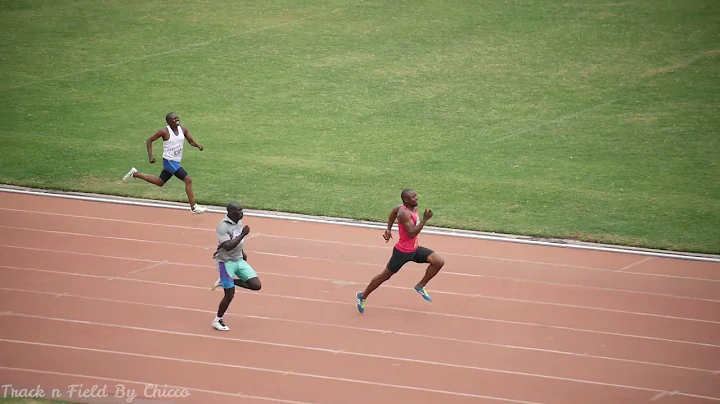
197	209
220	325
130	174
216	285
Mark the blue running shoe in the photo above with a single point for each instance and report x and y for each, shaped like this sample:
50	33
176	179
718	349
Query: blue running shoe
424	293
360	302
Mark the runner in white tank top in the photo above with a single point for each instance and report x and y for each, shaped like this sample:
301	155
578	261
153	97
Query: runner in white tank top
173	147
174	136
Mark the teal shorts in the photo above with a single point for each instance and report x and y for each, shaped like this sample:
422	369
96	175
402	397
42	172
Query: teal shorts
230	269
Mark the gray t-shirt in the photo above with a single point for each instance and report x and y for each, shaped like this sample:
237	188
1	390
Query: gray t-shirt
227	230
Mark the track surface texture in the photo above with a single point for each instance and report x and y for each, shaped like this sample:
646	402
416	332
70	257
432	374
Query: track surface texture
104	294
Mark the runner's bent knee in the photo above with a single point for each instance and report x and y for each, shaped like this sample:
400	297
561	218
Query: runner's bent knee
254	283
435	259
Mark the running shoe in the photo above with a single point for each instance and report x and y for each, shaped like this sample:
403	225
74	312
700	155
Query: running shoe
220	325
360	302
424	293
130	174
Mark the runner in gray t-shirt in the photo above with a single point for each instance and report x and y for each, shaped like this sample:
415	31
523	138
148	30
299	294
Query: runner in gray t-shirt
232	261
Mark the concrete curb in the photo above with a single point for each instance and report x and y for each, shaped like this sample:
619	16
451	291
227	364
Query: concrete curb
366	224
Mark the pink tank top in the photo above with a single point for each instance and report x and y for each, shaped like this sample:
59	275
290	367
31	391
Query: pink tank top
406	243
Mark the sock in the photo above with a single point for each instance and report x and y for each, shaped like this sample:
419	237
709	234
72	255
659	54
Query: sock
218	318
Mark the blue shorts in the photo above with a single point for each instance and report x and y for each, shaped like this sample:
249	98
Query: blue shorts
171	168
229	269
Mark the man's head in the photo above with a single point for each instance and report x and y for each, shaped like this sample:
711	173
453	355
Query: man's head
235	211
172	120
409	197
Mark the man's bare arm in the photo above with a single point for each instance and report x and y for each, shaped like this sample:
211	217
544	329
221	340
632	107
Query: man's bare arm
393	215
160	133
190	139
232	243
391	219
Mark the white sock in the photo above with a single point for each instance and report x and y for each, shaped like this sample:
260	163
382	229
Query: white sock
218	318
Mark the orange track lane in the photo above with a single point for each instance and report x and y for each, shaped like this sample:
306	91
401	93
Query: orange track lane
110	295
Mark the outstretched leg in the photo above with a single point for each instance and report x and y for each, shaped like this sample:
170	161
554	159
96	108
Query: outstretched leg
226	270
436	263
375	282
219	324
189	191
185	177
397	260
134	173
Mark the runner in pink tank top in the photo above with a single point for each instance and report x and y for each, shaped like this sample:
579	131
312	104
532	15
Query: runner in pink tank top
407	249
406	243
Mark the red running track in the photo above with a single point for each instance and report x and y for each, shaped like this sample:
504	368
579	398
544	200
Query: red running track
112	295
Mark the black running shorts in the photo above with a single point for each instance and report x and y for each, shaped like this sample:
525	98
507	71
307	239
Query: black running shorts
399	258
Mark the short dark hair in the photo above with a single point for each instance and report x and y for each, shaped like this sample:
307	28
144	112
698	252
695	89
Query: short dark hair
234	205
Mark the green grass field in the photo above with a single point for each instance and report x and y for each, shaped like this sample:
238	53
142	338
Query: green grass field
595	120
